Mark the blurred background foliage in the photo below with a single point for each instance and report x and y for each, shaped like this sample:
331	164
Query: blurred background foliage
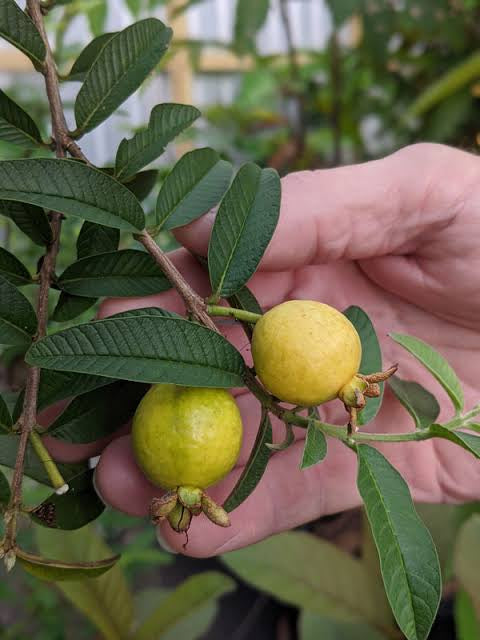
391	72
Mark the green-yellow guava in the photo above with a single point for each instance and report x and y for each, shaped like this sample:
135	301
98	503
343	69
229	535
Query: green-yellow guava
307	353
184	440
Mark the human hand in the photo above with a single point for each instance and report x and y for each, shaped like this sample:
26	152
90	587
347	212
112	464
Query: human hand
395	236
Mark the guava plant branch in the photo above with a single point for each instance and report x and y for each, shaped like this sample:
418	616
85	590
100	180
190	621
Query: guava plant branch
231	312
194	303
28	418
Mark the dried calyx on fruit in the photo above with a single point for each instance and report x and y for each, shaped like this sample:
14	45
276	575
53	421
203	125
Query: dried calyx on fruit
186	439
307	353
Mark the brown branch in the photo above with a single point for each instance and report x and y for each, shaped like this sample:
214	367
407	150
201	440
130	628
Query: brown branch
28	417
193	302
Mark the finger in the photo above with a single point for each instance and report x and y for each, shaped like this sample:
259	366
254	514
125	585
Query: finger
285	498
362	211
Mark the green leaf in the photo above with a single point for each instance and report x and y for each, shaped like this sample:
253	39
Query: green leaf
420	403
408	558
316	627
181	610
436	364
454	80
166	122
147	311
249	18
31	220
19	30
16	126
243	227
33	466
5	417
119	69
194	186
466	560
72	510
70	187
18	322
87	57
313	574
4	493
105	593
123	273
143	349
56	571
96	238
142	183
465	440
70	307
98	413
371	358
96	16
255	466
315	448
13	270
467	622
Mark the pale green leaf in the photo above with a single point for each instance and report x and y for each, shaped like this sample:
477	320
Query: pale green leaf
408	558
119	69
143	349
255	466
187	611
313	574
18	321
465	440
467	620
194	186
166	122
96	15
316	627
31	220
466	559
19	30
98	413
371	358
243	227
57	571
16	126
249	18
13	270
436	364
73	188
315	448
87	57
420	403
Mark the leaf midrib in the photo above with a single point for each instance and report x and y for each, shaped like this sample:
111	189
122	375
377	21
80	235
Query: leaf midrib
239	237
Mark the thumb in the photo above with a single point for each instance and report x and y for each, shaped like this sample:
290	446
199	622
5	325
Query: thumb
360	211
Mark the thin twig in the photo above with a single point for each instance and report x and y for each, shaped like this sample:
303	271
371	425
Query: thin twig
28	418
300	131
193	302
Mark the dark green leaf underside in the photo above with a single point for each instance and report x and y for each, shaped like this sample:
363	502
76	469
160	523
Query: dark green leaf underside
16	126
19	30
31	220
420	403
18	321
70	307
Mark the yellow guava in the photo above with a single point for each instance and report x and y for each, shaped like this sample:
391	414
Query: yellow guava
184	440
305	352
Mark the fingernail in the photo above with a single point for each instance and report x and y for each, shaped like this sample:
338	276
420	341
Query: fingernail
162	542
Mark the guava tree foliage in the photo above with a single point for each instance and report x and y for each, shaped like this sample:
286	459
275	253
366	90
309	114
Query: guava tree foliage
104	367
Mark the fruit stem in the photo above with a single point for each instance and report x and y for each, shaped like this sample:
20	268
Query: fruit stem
231	312
51	468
